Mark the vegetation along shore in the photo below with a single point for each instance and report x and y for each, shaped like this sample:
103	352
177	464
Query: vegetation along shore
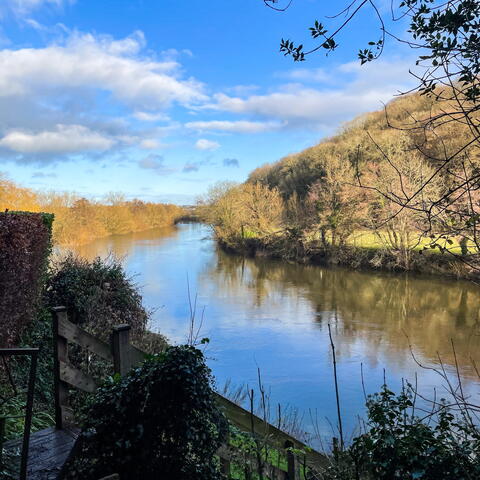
79	221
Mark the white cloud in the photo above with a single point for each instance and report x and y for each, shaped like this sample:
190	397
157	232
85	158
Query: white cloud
307	75
21	7
150	144
242	89
152	162
47	93
65	139
204	144
155	163
359	89
151	117
97	63
239	126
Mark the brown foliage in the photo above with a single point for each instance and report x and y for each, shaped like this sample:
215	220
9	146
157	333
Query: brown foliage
251	210
24	248
384	173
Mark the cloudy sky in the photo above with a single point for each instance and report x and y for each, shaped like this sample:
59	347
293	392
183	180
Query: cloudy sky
159	98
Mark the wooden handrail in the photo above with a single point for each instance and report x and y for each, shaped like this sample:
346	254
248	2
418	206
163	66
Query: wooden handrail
272	435
74	334
125	356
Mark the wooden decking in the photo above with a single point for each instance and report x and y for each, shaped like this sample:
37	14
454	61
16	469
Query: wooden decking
48	451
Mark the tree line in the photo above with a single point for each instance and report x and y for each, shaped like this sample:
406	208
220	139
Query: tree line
79	220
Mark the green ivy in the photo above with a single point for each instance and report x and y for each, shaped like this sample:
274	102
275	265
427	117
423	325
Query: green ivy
399	445
160	421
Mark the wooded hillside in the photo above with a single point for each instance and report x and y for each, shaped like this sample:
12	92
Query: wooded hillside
348	191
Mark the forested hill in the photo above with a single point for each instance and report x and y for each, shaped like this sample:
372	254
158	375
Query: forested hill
347	192
396	131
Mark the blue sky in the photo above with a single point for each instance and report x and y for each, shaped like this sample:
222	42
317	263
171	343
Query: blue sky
161	99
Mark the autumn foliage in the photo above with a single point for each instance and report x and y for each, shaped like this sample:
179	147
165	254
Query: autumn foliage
79	220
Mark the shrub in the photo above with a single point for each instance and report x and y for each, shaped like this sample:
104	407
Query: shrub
24	249
399	445
97	294
160	421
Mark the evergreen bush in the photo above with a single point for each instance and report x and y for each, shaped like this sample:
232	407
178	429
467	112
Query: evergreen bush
160	421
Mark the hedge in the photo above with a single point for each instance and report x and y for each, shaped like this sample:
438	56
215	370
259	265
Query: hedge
25	243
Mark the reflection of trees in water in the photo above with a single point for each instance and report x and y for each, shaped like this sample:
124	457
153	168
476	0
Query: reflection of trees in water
121	245
377	310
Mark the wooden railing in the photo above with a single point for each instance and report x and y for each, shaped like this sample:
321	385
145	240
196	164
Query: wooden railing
124	356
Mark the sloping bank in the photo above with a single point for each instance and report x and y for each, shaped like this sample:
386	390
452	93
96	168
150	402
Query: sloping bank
289	247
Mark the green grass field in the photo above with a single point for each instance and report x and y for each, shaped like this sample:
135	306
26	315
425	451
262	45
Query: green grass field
366	239
376	241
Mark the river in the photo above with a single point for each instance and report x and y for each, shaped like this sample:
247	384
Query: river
270	315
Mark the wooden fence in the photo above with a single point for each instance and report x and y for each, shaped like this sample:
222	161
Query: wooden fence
124	356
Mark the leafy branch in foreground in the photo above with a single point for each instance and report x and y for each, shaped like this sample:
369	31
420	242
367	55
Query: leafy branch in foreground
445	32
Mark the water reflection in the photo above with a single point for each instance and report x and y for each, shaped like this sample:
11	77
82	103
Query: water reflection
272	315
386	311
123	245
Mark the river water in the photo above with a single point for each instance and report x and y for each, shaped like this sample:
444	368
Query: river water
273	316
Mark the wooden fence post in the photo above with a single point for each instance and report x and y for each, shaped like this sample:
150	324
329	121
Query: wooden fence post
60	354
122	361
291	462
225	466
335	447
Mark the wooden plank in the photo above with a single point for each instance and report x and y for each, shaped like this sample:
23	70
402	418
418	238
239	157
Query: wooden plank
57	453
48	450
73	333
137	356
241	418
77	378
121	348
60	354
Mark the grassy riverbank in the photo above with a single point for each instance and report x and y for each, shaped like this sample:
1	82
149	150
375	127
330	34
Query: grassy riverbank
362	255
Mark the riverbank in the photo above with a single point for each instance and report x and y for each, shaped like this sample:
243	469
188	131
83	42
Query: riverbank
290	248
